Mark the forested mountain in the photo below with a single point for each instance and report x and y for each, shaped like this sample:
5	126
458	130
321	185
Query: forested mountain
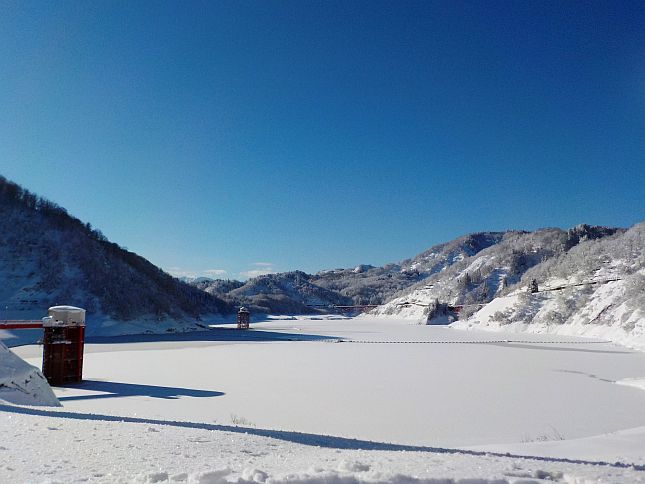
595	289
297	292
286	293
217	286
478	279
48	257
376	285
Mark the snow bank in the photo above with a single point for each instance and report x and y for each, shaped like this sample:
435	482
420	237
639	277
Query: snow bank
79	448
23	384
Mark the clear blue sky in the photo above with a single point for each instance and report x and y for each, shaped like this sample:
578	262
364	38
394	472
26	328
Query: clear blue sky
251	136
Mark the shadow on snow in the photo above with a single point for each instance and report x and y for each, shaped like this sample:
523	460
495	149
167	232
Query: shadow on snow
214	334
555	347
301	438
115	390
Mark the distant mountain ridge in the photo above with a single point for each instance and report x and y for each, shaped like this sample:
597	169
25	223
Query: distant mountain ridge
286	293
297	292
472	269
48	257
377	285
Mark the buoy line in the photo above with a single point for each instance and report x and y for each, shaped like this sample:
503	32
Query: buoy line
471	342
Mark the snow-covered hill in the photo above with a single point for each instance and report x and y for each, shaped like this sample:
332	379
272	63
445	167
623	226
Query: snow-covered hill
472	269
21	383
217	287
296	292
479	278
286	293
376	285
596	289
48	257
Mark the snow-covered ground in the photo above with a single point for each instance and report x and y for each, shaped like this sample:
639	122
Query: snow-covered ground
22	383
336	400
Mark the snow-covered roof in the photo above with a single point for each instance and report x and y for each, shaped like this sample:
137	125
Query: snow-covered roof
67	308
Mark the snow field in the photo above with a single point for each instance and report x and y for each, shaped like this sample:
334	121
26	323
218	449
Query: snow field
421	394
210	406
58	449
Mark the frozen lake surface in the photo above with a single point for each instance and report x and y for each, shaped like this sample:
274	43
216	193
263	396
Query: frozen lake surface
448	394
386	381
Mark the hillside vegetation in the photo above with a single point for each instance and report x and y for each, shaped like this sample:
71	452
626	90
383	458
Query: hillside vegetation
595	289
48	257
297	292
489	273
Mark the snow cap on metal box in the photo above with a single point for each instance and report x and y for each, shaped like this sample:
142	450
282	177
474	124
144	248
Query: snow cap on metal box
64	316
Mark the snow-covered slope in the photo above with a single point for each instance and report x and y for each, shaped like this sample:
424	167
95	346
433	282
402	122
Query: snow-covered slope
479	278
376	285
470	269
285	293
48	257
295	292
21	383
217	287
613	307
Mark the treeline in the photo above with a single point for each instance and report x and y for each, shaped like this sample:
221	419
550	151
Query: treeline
12	193
618	254
76	264
363	285
285	293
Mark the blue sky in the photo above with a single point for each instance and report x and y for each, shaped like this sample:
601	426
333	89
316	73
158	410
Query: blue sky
246	137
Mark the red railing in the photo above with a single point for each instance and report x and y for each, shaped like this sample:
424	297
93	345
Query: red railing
21	324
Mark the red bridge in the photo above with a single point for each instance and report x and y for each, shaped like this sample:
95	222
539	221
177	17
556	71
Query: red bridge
21	324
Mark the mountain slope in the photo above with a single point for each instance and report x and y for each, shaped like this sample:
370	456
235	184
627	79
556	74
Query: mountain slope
479	278
375	285
293	292
286	293
48	257
595	289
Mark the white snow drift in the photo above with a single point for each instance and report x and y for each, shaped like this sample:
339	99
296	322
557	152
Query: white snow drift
21	383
